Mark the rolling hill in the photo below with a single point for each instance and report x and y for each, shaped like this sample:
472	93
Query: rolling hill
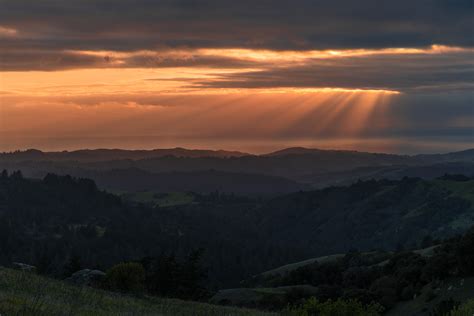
233	172
368	215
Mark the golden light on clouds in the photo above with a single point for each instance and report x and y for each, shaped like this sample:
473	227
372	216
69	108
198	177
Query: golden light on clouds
295	56
263	55
7	31
183	102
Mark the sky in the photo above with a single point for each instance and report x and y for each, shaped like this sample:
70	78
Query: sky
255	76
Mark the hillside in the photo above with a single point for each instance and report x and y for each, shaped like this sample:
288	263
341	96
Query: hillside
23	293
429	281
370	215
136	180
394	172
45	222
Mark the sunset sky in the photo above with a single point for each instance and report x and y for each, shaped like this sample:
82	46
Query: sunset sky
390	76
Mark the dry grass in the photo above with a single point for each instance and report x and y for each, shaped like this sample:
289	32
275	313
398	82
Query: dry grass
27	294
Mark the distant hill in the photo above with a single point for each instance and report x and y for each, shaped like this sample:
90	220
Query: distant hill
318	168
202	171
465	155
294	151
90	155
424	171
131	179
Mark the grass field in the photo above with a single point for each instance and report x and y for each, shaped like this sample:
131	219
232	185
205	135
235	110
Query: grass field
158	199
462	189
27	294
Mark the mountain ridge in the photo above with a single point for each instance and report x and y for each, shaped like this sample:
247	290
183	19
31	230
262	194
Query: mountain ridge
136	154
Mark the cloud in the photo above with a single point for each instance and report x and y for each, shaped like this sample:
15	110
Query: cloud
51	60
7	32
277	24
240	71
279	40
426	70
436	68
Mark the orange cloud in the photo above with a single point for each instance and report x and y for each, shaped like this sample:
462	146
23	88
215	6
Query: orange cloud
7	31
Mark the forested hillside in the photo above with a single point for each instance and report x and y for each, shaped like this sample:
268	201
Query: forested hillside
47	222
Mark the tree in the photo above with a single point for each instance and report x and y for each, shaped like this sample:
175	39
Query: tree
465	252
126	277
73	265
17	175
313	307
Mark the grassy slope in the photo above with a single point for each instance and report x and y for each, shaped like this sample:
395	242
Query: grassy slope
462	189
23	293
293	266
160	199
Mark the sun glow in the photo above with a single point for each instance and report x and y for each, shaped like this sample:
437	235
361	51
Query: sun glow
246	114
175	103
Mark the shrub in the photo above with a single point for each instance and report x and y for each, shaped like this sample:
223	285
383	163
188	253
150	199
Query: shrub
313	307
443	308
407	293
466	309
126	277
386	290
361	295
465	252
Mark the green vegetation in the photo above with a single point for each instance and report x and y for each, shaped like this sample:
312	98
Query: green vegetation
126	277
47	222
463	189
62	224
154	199
313	307
441	275
174	198
293	266
466	309
26	294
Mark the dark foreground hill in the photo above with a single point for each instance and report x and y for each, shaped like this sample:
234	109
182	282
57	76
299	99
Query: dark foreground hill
23	293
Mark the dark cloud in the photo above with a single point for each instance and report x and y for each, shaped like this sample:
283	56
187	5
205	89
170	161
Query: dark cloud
275	24
49	31
50	60
405	72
